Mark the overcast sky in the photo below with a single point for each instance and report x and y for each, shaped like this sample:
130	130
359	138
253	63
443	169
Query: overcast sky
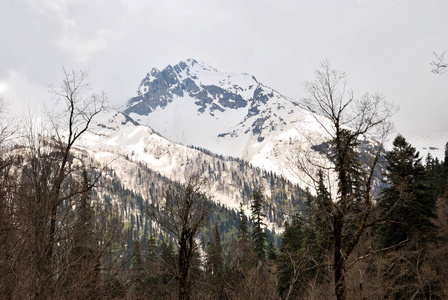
384	46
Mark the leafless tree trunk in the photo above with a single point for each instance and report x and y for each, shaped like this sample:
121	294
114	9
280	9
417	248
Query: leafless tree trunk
8	232
52	175
184	212
80	107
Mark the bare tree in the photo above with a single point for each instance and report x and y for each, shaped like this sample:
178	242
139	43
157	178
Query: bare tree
6	133
439	65
52	176
184	212
81	105
8	183
350	171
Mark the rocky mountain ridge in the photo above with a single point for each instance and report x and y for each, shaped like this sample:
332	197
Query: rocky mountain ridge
227	113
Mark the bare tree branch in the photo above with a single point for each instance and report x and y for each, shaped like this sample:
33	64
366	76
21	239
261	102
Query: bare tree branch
439	65
346	122
376	251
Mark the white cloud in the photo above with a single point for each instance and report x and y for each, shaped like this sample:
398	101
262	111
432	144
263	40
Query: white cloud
20	93
83	48
361	2
82	26
47	6
3	87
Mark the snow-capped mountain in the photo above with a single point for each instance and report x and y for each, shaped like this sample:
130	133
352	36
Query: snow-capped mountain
138	156
227	113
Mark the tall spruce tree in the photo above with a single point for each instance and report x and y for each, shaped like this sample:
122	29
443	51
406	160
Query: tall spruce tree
245	257
290	264
322	215
215	266
216	255
408	205
258	231
138	271
152	268
242	227
168	271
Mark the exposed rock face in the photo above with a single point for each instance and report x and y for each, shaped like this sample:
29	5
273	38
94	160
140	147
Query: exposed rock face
158	89
233	115
257	110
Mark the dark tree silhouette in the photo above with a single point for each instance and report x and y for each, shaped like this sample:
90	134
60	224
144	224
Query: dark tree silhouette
184	212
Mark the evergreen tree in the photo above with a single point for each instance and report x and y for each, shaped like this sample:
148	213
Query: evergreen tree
435	174
168	271
310	205
242	227
445	159
244	256
258	231
272	252
323	213
138	271
408	205
196	273
152	268
83	276
216	255
215	266
289	262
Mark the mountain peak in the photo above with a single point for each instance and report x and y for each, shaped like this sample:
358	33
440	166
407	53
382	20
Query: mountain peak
188	63
195	104
209	87
191	63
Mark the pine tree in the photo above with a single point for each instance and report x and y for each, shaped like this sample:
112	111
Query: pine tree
289	262
152	268
272	252
215	266
310	204
244	248
216	255
84	274
168	271
445	159
196	272
408	205
138	271
242	227
435	175
258	231
323	213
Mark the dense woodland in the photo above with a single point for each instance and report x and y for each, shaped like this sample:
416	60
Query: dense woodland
71	230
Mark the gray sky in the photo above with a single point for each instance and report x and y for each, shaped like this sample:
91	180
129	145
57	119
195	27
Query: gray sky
383	46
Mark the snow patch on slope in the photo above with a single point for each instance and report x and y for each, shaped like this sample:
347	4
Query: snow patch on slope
120	143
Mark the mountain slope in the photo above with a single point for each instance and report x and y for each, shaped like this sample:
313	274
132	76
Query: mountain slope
227	113
129	148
